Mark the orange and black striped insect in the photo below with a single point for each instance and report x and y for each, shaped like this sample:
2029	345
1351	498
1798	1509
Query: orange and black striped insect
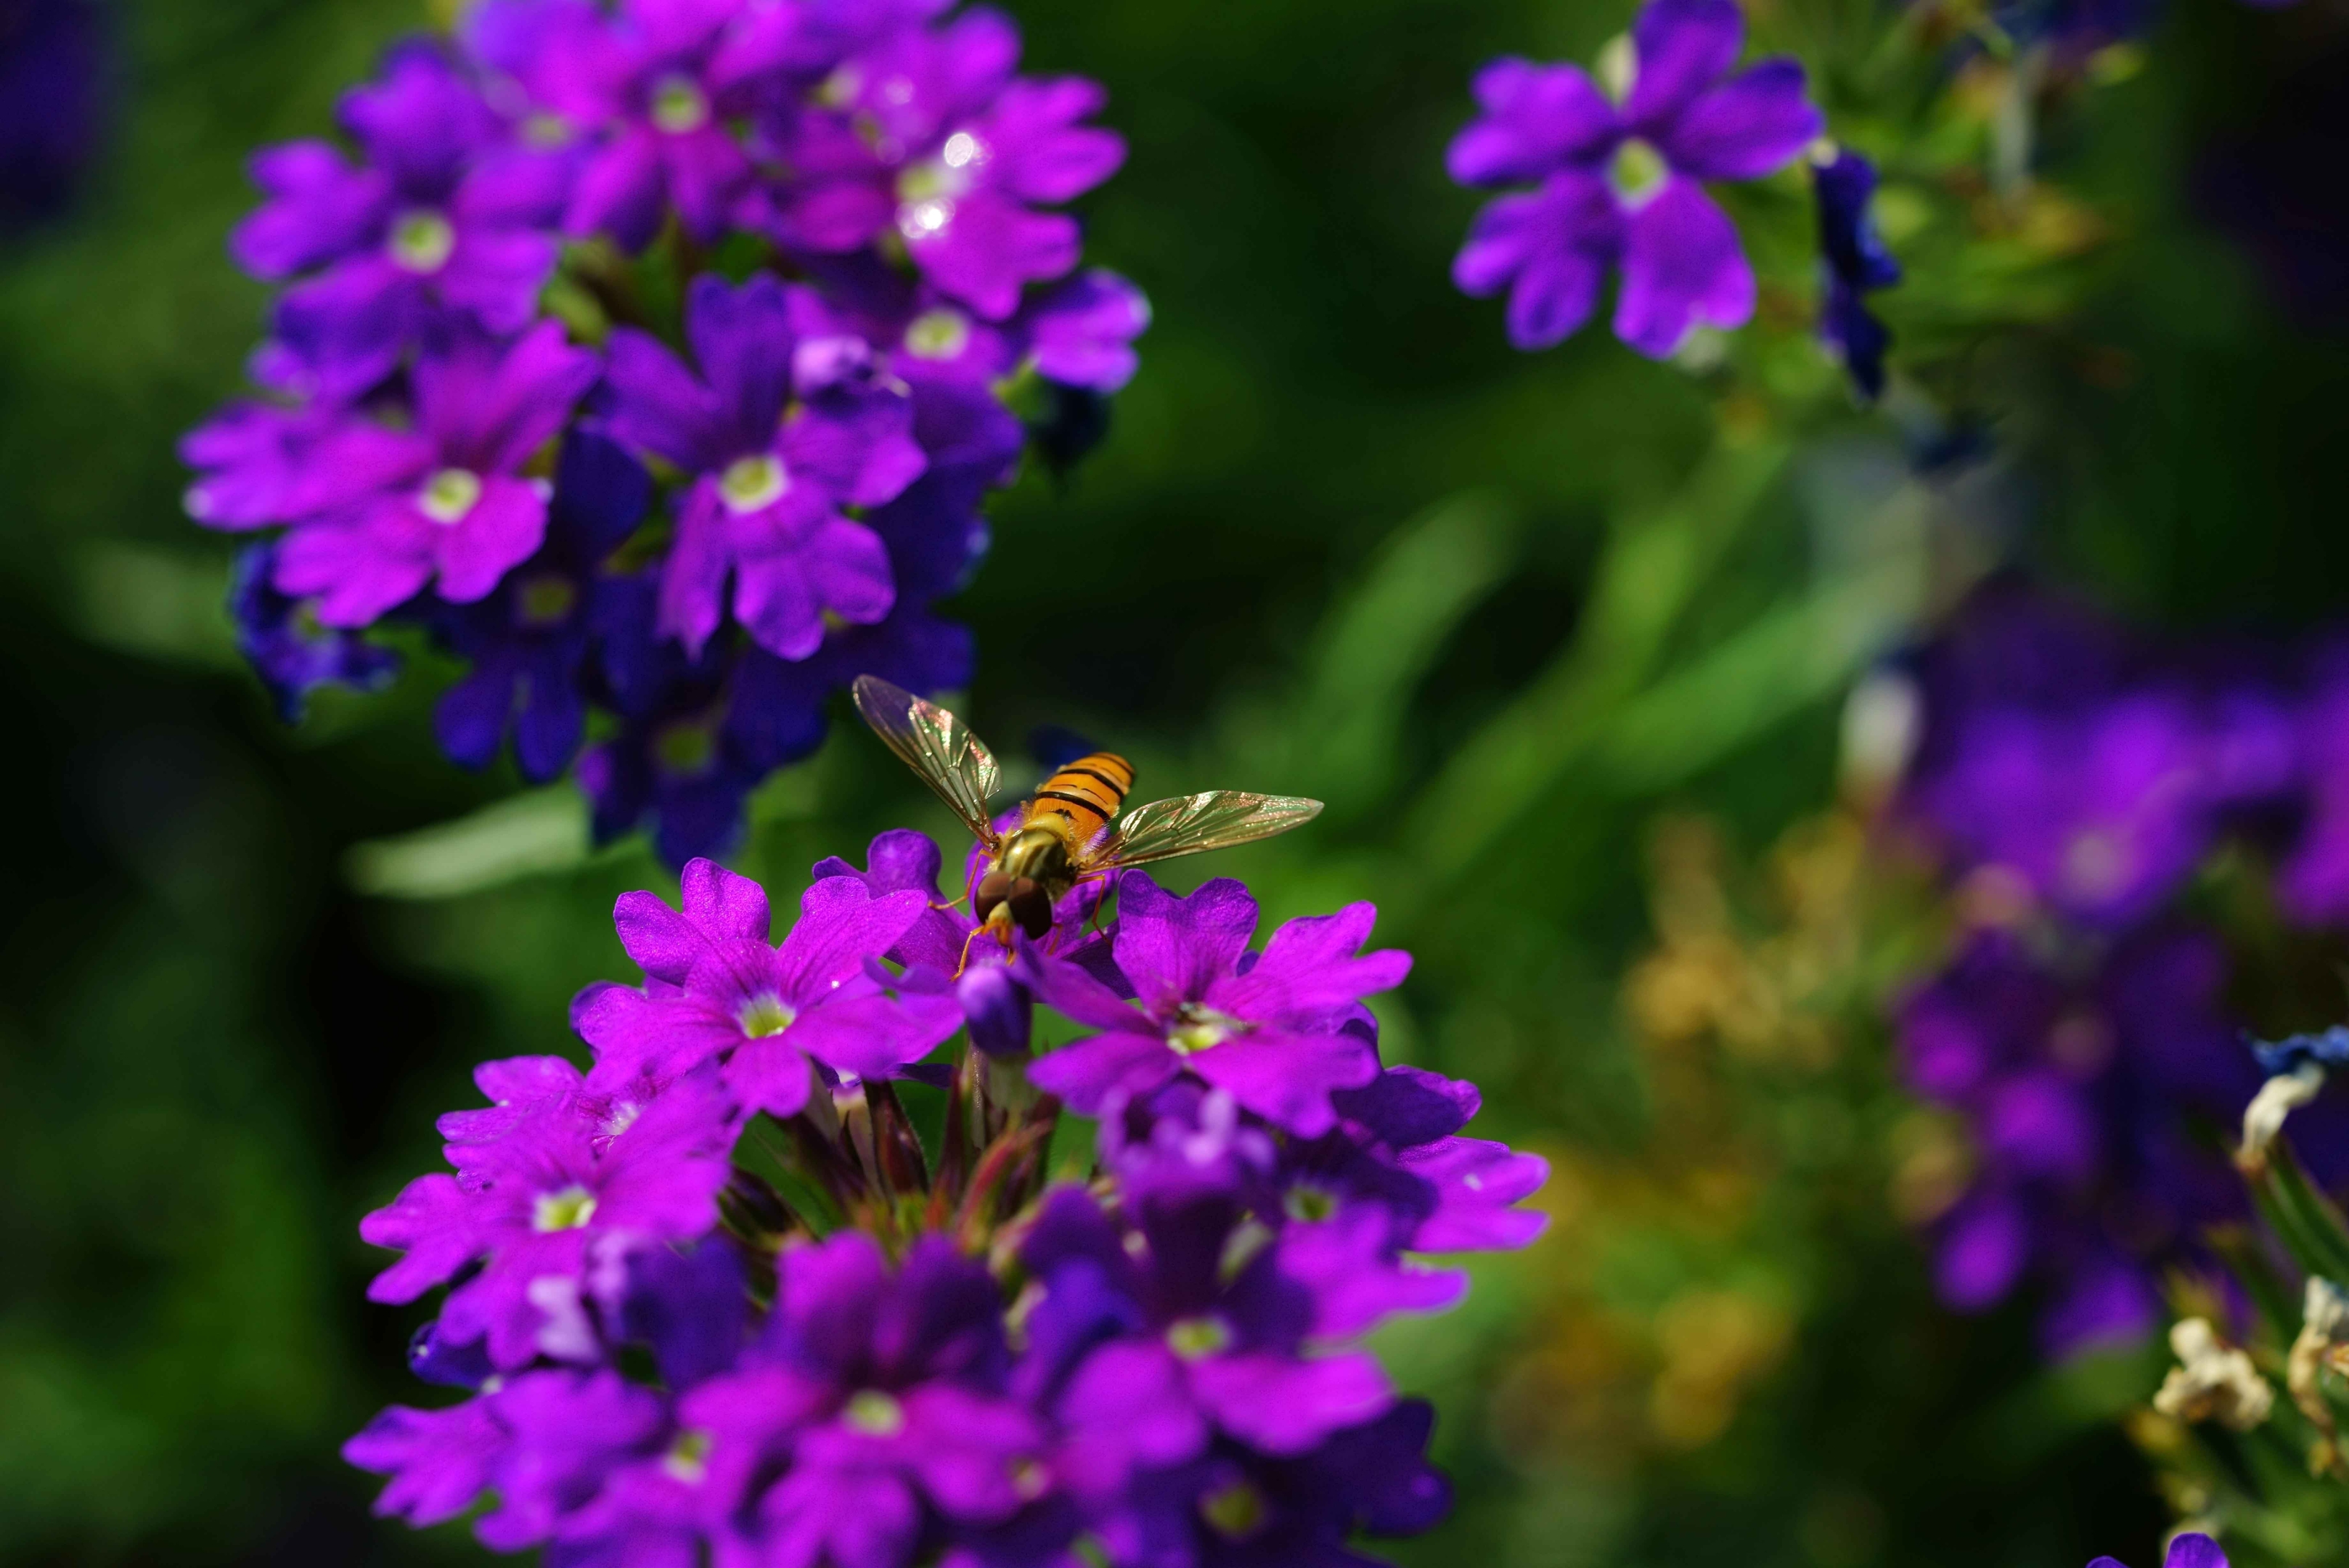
1071	829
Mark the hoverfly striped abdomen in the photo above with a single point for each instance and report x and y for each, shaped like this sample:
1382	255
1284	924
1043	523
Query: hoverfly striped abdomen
1085	796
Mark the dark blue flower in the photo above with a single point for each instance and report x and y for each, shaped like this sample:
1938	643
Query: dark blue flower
53	92
2328	1048
531	638
292	653
1855	263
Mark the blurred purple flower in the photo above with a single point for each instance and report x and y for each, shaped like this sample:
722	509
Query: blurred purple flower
55	57
288	650
764	508
423	225
529	642
444	502
928	141
1618	181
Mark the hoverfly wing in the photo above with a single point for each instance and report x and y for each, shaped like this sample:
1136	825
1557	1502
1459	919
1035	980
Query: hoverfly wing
1191	822
936	745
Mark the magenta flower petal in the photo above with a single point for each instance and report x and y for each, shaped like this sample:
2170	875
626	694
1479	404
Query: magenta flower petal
1089	1072
1171	945
1035	147
1683	268
742	340
503	529
1551	250
439	1461
987	248
1285	1406
1310	967
859	445
656	403
1287	1078
1753	124
720	907
1536	117
1682	47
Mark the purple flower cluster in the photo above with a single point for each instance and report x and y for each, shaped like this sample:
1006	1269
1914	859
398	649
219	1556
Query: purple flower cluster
2074	782
717	1299
1617	175
655	360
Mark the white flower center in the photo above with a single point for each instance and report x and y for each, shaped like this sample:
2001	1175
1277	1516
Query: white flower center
764	1014
873	1413
422	242
449	496
567	1209
1198	1029
940	333
750	484
1191	1338
961	150
678	105
1638	173
687	1459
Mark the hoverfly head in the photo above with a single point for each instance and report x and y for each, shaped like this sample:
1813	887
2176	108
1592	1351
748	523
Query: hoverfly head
1030	906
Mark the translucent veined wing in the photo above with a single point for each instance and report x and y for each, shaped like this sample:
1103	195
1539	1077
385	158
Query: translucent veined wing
936	745
1191	822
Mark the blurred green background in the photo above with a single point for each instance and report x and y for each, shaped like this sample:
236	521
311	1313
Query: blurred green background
1563	639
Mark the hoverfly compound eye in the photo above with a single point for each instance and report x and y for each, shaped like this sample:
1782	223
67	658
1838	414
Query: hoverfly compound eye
993	889
1031	907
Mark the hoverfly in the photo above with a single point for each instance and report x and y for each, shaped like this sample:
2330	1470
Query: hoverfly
1070	830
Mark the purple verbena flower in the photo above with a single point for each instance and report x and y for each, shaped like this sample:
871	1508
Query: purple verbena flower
1266	1028
653	92
1155	1347
446	502
716	989
1619	180
288	650
928	141
2190	1550
2079	1094
423	226
537	1183
531	639
691	748
764	508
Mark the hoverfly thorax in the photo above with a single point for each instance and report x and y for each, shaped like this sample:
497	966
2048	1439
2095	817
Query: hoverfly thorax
1030	871
1074	828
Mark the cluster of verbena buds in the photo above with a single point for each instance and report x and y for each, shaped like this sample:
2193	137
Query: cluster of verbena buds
720	1294
657	360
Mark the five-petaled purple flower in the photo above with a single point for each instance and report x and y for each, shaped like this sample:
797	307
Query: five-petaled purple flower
929	138
764	509
1267	1028
1619	181
541	1176
427	224
715	989
446	502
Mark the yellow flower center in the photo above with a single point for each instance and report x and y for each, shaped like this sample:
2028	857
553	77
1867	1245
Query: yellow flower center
567	1209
